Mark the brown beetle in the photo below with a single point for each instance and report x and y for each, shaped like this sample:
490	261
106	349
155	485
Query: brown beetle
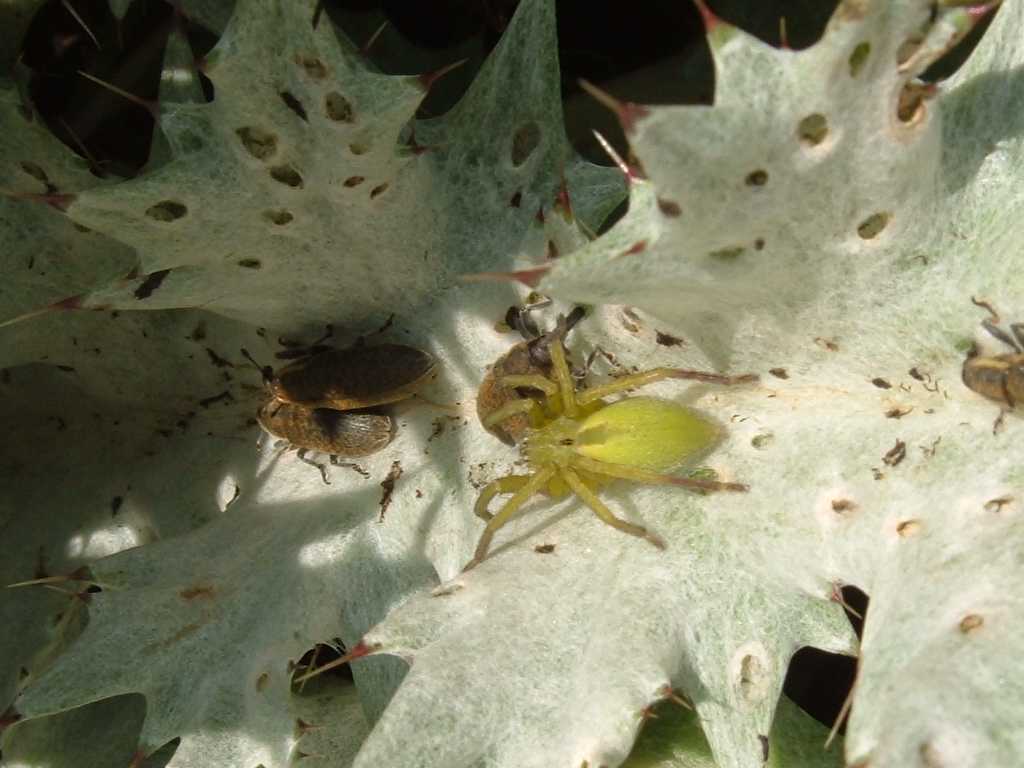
527	358
347	379
998	377
329	401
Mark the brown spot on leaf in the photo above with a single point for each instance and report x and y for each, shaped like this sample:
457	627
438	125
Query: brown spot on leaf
896	454
667	339
287	175
757	178
898	411
997	504
669	208
971	622
259	143
908	528
339	109
388	486
200	591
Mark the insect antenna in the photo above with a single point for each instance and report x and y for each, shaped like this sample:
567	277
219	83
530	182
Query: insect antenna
1000	334
539	348
265	370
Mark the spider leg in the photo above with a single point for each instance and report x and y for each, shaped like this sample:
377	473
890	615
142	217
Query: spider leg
531	380
507	484
305	460
566	386
598	507
640	475
643	378
512	408
537	481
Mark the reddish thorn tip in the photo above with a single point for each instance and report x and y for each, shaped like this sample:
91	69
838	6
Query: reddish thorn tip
9	718
71	302
529	277
707	16
427	79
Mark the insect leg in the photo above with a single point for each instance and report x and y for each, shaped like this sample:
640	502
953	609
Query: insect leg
335	461
537	481
530	380
306	460
643	378
507	484
511	408
598	508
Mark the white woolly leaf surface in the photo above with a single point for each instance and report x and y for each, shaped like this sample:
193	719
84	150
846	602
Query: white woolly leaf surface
781	274
538	658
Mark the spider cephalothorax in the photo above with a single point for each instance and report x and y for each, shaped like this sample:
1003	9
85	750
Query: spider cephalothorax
575	441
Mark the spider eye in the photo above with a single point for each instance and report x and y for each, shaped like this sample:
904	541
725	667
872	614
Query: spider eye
567	441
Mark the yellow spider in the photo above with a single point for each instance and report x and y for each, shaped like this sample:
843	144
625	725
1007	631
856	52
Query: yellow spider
575	441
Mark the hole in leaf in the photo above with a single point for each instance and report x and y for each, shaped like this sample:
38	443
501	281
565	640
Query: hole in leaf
294	104
354	181
380	189
780	23
517	200
911	108
641	53
813	129
320	655
524	142
955	57
856	607
250	263
757	178
278	217
873	225
818	682
315	68
338	108
34	171
259	143
859	57
167	210
286	174
759	244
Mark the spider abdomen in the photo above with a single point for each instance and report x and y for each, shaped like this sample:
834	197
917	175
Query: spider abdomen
644	432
